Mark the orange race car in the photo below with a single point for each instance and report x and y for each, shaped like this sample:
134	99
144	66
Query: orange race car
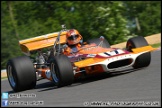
95	56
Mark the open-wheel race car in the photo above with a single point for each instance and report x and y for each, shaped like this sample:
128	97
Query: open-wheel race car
95	56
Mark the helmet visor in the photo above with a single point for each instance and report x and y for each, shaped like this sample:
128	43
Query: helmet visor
73	37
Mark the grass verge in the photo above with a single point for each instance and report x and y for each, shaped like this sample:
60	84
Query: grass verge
156	45
3	77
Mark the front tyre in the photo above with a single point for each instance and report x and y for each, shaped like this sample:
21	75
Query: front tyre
61	70
144	59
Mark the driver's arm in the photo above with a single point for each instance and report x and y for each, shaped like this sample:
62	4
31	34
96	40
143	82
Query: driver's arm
66	50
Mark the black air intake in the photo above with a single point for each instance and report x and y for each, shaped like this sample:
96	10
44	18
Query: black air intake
120	63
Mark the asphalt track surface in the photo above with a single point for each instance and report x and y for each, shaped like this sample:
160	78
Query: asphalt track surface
140	87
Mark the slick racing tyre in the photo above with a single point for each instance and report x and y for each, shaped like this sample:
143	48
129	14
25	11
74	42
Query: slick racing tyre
61	70
21	73
144	59
105	43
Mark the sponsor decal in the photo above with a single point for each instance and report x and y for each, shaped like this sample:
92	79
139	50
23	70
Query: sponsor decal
91	55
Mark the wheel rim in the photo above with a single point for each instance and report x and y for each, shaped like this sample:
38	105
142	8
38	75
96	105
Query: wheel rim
53	72
11	77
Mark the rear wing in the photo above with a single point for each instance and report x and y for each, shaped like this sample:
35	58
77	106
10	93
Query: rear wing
40	42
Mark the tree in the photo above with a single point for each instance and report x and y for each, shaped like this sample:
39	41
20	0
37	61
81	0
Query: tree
145	15
9	42
110	22
26	19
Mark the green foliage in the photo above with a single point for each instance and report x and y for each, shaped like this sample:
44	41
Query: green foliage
156	45
113	19
148	14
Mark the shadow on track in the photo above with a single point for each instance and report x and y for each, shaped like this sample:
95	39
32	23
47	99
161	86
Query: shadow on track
101	76
88	79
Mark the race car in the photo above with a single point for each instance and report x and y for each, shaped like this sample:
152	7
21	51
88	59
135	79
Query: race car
95	56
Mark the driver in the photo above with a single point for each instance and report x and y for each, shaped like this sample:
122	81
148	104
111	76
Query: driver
73	42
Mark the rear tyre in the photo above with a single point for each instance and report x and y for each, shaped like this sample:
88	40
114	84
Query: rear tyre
144	59
97	41
21	73
61	70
